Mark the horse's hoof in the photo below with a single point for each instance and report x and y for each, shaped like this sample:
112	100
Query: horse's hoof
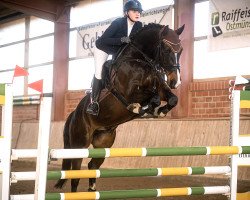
134	107
91	190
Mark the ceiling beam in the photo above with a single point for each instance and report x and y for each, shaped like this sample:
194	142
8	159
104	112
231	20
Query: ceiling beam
46	9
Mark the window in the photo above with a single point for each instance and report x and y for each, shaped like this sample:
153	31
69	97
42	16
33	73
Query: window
81	72
91	11
201	19
42	72
41	50
11	56
40	27
38	51
12	31
146	4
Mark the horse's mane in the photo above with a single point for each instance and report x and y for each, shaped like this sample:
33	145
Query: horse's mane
149	26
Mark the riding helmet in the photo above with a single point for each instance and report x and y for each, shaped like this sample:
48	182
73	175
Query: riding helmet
132	5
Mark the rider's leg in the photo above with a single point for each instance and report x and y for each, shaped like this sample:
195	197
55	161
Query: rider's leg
100	57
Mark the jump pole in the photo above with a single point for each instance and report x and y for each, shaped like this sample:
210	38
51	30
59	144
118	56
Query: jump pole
111	173
43	147
127	194
5	140
237	139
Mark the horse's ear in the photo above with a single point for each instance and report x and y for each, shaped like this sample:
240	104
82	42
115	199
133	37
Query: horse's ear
180	30
164	30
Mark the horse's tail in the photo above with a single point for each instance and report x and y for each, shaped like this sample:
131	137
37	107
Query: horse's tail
66	163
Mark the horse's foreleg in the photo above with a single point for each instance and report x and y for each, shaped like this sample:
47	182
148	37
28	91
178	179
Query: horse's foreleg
172	101
95	163
101	139
76	165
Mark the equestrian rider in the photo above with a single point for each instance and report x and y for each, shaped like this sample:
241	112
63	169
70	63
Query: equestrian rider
115	36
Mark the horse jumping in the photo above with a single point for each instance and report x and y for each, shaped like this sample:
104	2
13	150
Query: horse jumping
141	77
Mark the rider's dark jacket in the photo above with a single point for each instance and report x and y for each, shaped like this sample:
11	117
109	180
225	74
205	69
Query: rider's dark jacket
110	41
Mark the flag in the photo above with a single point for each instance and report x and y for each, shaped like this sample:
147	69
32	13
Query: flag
240	80
20	71
37	85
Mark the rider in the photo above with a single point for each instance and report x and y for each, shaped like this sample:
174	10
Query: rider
116	35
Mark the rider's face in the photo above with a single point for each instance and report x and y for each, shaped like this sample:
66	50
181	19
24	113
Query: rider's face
134	15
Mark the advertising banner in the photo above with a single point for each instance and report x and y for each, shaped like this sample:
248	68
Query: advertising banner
229	25
88	34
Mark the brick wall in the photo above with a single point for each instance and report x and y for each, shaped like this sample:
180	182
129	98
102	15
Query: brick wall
24	113
72	98
211	99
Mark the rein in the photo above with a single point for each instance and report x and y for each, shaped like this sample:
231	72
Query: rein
158	70
152	63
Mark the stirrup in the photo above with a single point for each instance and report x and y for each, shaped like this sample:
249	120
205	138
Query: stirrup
93	108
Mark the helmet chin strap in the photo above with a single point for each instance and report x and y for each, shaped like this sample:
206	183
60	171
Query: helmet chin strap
129	17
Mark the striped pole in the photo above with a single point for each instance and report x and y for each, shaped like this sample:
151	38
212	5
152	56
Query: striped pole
142	193
26	100
109	173
131	152
140	152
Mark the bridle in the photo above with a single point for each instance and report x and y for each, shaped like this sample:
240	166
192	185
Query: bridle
156	64
175	49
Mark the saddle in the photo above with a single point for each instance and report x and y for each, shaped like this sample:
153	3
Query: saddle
110	66
109	71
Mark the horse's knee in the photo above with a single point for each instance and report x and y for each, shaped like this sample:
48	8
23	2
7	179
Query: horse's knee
155	101
172	101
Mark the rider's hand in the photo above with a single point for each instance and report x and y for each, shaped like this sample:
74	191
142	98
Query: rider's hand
125	40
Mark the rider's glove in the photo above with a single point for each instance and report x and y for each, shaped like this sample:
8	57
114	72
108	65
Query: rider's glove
125	40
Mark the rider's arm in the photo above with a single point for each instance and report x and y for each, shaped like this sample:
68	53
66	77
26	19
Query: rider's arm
112	35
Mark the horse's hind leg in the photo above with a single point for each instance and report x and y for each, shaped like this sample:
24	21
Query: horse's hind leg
101	139
76	165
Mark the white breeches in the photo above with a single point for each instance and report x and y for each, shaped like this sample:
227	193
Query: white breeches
100	57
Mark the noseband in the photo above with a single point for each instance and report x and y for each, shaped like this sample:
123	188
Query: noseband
175	48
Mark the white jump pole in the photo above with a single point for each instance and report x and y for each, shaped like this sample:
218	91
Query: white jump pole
6	131
43	148
235	125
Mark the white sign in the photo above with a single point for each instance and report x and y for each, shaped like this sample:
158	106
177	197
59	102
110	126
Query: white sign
88	34
229	24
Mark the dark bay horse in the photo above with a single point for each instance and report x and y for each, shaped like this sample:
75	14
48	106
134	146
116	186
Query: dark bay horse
142	77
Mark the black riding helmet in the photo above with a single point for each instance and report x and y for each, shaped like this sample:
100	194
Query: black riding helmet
132	5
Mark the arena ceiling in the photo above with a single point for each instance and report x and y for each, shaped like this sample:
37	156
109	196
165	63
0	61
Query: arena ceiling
47	9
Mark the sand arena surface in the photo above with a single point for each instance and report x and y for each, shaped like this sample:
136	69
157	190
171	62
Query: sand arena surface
27	187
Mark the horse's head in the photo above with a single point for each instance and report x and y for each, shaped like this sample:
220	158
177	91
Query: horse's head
169	52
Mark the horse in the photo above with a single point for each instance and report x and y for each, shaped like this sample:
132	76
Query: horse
141	77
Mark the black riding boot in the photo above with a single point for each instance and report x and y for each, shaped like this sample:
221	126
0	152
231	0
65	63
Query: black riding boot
93	107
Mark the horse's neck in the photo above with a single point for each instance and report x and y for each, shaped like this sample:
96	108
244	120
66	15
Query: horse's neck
147	44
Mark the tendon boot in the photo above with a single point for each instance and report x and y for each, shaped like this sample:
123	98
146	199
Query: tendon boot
93	107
